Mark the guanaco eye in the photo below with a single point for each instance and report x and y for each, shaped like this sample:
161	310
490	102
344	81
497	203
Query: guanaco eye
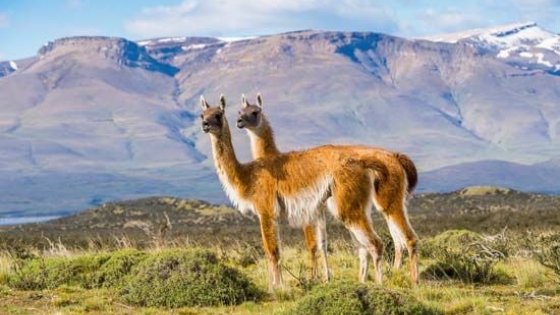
254	114
219	117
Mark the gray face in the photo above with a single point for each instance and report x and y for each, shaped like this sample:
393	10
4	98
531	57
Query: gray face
213	117
212	120
249	117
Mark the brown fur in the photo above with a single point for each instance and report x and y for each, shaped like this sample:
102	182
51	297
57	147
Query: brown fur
390	188
261	183
264	146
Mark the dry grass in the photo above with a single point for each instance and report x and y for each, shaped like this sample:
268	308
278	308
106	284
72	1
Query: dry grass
535	290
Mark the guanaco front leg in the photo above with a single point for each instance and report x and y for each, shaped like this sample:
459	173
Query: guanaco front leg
269	234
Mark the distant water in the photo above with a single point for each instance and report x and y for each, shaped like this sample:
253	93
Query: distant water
23	220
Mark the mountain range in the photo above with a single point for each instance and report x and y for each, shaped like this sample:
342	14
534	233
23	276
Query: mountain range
93	119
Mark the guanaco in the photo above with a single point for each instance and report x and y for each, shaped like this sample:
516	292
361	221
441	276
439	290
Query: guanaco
388	194
294	184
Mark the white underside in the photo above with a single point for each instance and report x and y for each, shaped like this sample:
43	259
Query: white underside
303	208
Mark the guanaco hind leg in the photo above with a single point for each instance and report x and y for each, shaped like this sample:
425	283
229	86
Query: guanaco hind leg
316	240
321	230
351	203
407	237
390	199
309	231
392	203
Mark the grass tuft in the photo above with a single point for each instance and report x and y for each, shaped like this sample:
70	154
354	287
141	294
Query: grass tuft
352	298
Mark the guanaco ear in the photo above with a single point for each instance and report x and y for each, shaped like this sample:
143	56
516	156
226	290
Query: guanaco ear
259	100
222	102
203	103
244	101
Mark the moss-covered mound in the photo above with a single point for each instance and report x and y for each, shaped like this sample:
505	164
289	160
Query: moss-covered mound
351	298
176	278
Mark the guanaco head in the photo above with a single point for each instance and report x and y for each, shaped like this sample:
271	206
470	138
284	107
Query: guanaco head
250	116
213	117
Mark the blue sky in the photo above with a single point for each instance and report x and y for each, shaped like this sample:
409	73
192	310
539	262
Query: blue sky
25	25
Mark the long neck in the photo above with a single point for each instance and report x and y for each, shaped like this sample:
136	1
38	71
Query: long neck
228	167
262	140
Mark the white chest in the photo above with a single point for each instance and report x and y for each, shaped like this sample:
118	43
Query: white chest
244	206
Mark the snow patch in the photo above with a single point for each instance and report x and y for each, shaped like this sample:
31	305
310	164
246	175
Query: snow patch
144	42
172	39
13	65
193	47
540	60
552	43
521	35
505	53
235	39
525	54
161	40
499	31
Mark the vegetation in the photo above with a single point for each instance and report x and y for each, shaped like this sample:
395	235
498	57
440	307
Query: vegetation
345	297
212	262
463	255
175	278
548	251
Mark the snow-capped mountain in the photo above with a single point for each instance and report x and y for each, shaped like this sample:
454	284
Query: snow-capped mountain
525	45
91	119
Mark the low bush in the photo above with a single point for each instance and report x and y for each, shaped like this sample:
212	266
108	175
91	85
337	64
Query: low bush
547	250
351	298
463	255
176	278
114	270
52	272
86	271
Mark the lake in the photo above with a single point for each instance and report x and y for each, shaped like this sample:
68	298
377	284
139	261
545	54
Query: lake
23	220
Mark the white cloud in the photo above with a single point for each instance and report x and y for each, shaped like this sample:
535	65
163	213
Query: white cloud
398	17
4	20
544	12
450	20
250	17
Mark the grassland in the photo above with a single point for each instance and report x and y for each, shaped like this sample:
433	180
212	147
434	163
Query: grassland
484	251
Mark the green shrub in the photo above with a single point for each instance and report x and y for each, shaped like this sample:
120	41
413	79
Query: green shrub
351	298
52	272
86	271
175	278
114	270
463	255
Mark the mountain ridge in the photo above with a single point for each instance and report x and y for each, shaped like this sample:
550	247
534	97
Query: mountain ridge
105	105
